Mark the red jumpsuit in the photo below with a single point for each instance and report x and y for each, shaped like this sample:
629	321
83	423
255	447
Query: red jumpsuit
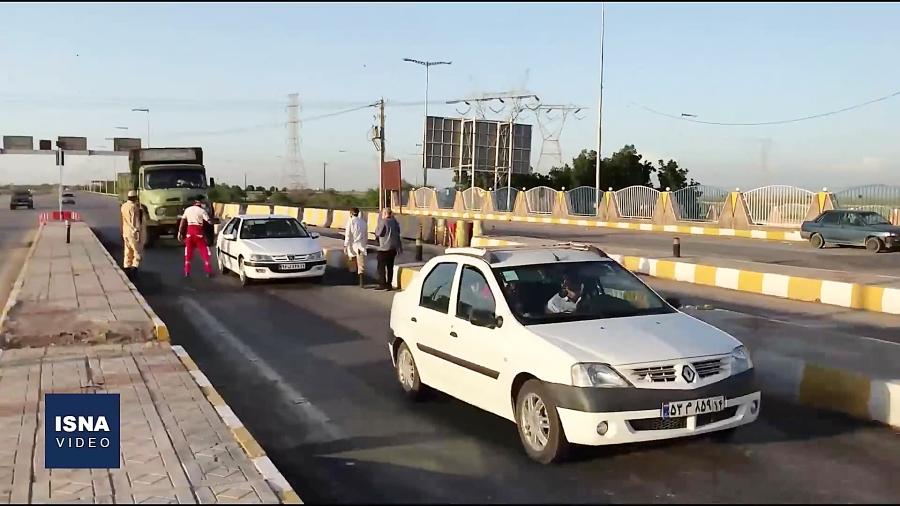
194	238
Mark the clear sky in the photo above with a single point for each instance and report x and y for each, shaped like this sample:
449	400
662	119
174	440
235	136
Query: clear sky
217	75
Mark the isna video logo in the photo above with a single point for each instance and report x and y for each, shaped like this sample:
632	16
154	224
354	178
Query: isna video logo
82	431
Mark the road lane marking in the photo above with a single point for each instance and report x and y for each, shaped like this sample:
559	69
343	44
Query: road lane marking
325	429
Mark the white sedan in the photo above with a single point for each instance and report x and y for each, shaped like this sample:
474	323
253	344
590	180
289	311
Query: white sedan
568	344
269	247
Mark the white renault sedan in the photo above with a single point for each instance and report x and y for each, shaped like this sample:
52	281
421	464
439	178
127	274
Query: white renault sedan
568	344
269	247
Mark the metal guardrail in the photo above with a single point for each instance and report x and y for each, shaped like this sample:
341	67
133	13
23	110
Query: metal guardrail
778	205
539	200
505	199
700	202
880	198
582	201
473	198
446	198
424	197
637	202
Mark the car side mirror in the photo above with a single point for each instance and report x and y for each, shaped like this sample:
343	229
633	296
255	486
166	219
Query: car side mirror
674	302
484	318
314	235
228	237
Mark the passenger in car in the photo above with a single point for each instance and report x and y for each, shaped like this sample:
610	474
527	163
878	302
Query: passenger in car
566	301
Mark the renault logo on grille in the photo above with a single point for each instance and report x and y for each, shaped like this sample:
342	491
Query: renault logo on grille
687	372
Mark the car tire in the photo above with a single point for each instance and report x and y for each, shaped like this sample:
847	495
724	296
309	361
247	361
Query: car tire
221	261
534	407
242	274
817	241
874	244
408	374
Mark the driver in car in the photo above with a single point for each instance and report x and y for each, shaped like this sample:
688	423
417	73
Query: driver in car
566	301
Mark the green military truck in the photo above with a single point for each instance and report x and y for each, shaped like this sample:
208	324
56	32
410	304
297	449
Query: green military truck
166	180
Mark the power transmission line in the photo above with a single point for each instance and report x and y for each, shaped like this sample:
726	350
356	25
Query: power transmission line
776	122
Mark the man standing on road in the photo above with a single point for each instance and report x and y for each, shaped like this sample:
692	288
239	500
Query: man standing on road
190	230
389	246
355	238
131	233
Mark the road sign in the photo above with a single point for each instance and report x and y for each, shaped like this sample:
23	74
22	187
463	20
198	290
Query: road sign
60	158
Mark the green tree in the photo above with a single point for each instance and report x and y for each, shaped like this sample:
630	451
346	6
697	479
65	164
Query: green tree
670	175
625	168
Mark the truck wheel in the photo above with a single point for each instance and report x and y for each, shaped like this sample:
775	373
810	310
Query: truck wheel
538	422
874	244
817	241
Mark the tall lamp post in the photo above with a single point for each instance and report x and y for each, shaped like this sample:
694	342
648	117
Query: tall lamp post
148	121
427	65
600	112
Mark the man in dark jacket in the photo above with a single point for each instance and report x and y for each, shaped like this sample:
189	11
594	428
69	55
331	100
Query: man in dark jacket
389	246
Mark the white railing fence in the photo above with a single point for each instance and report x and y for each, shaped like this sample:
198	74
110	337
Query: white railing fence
539	200
637	202
700	202
778	205
582	201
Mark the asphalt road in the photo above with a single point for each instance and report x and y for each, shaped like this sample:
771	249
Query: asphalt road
16	227
792	253
306	368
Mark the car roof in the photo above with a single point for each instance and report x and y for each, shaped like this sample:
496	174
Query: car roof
264	216
514	256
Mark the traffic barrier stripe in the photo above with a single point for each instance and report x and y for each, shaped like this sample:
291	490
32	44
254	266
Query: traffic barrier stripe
251	447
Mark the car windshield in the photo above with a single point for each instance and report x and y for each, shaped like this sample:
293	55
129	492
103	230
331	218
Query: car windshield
176	177
555	292
21	193
273	228
68	194
873	219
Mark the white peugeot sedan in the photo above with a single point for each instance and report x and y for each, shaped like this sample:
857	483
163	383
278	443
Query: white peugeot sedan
269	247
568	344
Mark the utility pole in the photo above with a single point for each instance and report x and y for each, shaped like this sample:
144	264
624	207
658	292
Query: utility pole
324	164
381	199
427	65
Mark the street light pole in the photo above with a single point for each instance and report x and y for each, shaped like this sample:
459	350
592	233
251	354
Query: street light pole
324	164
599	113
427	65
148	122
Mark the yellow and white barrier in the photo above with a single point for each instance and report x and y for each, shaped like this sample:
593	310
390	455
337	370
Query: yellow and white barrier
257	209
315	217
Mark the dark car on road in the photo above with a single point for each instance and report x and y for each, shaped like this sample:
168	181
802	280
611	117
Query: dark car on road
21	198
851	228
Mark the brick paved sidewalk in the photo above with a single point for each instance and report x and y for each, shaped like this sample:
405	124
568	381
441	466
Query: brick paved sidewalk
73	293
175	447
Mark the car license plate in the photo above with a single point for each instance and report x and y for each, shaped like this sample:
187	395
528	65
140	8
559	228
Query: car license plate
293	267
694	407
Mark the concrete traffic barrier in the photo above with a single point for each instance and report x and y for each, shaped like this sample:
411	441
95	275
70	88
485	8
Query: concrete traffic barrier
259	209
293	212
339	219
315	217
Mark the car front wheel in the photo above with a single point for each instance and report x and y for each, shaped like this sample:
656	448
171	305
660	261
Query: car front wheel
242	272
817	241
538	422
874	244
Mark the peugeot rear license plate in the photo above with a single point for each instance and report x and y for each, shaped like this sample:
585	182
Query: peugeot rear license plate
293	267
694	407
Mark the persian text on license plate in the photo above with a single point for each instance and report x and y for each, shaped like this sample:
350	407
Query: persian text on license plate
293	267
693	407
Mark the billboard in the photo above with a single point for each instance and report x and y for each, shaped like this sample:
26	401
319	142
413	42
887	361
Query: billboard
18	142
126	144
450	143
390	175
72	143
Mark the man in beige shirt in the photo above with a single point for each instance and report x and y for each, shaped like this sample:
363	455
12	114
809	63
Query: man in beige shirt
131	233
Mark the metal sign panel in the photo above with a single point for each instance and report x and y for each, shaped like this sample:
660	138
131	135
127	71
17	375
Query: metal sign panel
390	175
18	142
72	143
126	144
449	144
169	155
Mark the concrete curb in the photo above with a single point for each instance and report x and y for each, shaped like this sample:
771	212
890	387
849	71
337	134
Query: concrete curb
829	388
254	451
836	293
160	330
20	279
771	235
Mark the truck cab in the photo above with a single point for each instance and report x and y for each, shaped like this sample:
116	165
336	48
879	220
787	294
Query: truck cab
167	181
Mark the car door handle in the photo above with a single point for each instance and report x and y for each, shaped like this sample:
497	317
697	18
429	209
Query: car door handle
413	319
453	334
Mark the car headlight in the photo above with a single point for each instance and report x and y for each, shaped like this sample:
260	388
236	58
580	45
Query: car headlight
160	211
260	258
740	360
597	375
319	255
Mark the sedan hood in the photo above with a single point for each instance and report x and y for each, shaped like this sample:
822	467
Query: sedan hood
622	341
292	246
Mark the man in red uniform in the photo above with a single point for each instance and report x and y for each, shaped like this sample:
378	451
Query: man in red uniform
190	230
